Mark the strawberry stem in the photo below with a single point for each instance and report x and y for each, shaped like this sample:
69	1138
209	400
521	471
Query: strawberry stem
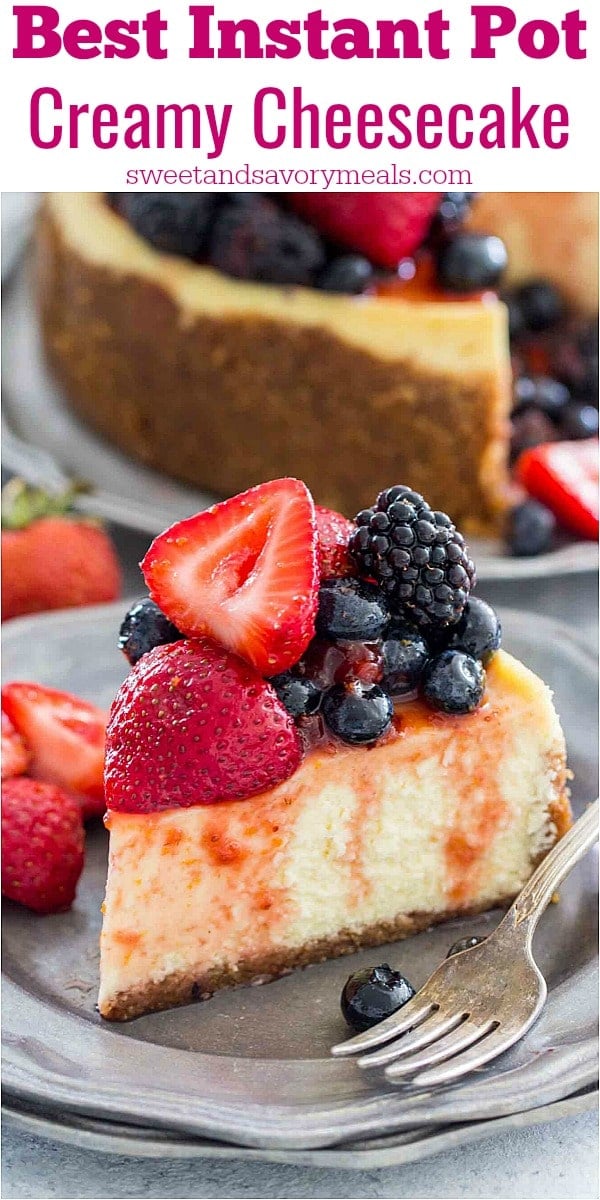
23	503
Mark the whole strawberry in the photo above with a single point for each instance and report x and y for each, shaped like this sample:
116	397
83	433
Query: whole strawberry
333	535
385	226
195	724
42	845
51	559
15	755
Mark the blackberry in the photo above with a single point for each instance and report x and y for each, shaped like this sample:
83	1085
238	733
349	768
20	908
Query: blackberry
253	238
417	556
176	222
145	626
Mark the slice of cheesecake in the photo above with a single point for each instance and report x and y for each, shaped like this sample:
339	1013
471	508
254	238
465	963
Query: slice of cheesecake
361	845
222	383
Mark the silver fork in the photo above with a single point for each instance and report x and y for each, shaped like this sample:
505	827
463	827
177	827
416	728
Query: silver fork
482	1000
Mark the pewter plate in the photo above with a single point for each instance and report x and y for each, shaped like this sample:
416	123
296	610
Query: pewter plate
250	1067
44	441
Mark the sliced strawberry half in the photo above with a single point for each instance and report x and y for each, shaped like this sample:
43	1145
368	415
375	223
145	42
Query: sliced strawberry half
333	531
15	755
245	572
65	736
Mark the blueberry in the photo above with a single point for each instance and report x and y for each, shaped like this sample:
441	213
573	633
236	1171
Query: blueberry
300	696
405	653
350	273
371	995
579	421
350	610
541	305
144	627
254	238
478	632
357	712
454	209
466	943
470	262
531	529
454	682
540	392
176	222
516	320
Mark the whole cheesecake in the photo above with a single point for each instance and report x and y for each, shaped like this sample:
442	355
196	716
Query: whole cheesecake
221	382
303	760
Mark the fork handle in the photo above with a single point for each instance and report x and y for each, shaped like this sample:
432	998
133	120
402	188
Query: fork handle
538	891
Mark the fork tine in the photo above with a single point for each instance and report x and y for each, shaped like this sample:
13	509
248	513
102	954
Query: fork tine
409	1015
490	1047
428	1031
459	1039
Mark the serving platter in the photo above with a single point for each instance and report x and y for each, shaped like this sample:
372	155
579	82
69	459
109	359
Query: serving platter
44	441
250	1067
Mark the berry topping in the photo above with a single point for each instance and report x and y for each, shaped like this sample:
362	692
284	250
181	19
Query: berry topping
51	558
15	755
564	477
42	845
245	572
540	392
194	724
326	663
350	610
453	682
333	533
540	305
349	273
466	943
143	628
417	556
478	632
357	712
65	736
579	421
405	654
385	226
253	238
371	995
299	695
469	262
176	222
531	529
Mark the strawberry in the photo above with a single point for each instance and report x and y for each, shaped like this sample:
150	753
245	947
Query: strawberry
49	559
42	845
244	572
194	724
15	756
386	226
564	476
333	532
65	736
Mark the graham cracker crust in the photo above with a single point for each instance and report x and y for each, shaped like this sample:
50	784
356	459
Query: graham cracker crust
226	402
184	987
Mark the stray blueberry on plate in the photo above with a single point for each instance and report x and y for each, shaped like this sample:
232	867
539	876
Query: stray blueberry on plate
465	943
531	529
371	995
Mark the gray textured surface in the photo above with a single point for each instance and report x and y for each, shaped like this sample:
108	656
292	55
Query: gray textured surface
558	1160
